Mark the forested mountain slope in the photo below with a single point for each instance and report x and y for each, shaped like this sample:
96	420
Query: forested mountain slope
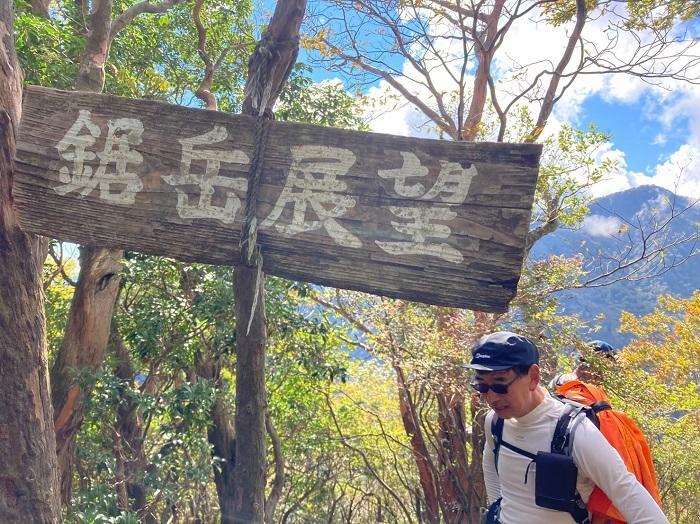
604	232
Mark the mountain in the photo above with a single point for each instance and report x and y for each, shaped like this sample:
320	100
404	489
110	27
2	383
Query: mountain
604	235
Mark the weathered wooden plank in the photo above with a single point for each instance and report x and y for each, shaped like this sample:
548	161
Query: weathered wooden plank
428	220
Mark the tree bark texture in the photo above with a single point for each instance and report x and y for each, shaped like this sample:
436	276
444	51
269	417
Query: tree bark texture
90	316
279	478
250	455
283	33
477	495
83	348
28	480
222	439
426	468
454	464
484	52
91	74
266	76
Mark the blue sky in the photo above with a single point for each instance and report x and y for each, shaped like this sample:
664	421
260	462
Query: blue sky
634	132
654	128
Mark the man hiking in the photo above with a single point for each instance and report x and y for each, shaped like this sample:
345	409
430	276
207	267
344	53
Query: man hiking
584	371
619	429
540	479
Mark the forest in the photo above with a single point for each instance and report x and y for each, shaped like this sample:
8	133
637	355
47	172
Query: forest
144	388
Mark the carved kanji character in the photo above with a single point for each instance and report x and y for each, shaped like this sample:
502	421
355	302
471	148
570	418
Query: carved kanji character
210	179
312	186
119	185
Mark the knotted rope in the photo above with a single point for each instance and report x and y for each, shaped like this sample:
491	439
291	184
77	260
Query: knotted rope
259	91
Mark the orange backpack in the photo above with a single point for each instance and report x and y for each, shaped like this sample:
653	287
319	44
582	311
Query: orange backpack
624	435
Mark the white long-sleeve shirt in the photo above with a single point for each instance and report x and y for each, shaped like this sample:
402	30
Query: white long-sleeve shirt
598	464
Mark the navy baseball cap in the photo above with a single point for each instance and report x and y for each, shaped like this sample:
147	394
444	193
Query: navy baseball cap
600	346
503	350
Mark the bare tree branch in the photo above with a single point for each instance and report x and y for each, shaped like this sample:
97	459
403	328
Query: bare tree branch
60	267
446	126
204	91
135	10
549	99
346	442
343	312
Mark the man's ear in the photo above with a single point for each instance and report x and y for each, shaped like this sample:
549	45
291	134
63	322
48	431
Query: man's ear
534	376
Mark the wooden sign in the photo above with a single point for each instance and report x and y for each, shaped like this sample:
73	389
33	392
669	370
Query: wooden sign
428	220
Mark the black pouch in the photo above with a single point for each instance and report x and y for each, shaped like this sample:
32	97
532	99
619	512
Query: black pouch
555	481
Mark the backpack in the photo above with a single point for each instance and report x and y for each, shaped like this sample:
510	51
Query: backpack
555	481
624	435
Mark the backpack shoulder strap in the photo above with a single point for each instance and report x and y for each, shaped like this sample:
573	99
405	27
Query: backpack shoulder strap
562	444
600	405
561	430
562	439
497	434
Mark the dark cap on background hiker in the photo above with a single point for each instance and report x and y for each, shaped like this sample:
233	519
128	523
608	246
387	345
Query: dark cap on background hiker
600	346
503	350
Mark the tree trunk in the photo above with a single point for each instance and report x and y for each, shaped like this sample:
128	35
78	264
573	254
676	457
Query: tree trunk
484	52
278	480
83	348
454	464
477	494
267	72
220	433
222	439
250	455
89	320
91	74
426	469
28	480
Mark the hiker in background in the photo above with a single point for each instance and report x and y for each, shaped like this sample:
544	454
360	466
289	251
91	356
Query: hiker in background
530	475
585	371
621	431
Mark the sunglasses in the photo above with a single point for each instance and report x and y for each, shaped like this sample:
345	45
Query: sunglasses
499	389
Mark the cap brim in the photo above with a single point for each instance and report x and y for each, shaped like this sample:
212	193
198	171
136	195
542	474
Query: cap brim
479	367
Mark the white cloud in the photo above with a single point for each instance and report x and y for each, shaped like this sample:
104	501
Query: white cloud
601	226
526	51
622	89
388	113
681	172
392	120
660	139
620	179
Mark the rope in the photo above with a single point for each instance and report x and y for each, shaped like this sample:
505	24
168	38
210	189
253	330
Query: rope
266	54
259	90
250	251
251	255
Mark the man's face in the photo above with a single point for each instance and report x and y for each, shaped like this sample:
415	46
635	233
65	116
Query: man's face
587	373
590	368
517	401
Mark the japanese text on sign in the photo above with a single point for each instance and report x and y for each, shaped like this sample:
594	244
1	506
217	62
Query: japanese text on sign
314	195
